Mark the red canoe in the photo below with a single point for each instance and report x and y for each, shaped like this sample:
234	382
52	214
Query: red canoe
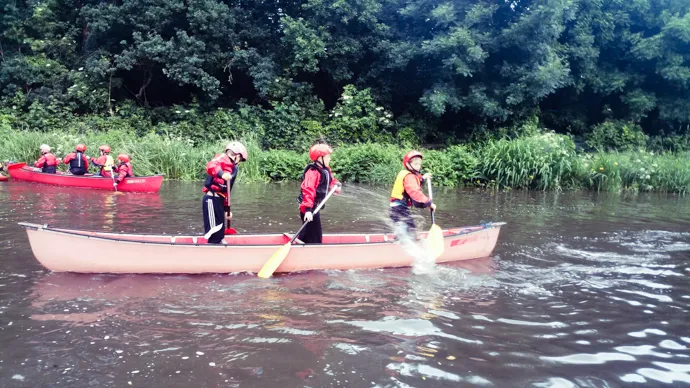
141	184
3	178
67	250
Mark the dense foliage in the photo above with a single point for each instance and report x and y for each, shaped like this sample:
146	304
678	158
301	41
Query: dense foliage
394	71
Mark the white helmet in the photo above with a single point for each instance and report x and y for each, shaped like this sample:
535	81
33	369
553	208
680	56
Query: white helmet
238	148
45	148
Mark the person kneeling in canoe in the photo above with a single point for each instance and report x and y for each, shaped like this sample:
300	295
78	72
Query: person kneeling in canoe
222	171
407	192
77	161
47	162
104	162
123	169
317	181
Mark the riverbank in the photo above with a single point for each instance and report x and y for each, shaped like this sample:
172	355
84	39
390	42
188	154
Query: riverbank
543	161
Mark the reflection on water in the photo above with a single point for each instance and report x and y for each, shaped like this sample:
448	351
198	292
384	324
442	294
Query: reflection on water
583	290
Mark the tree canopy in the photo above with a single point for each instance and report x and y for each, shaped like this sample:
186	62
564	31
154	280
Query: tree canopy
442	68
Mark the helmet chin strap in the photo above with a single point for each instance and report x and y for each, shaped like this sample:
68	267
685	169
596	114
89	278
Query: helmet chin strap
410	168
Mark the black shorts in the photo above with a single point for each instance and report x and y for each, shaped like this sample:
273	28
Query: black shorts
214	215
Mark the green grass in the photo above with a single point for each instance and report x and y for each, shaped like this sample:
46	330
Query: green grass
544	161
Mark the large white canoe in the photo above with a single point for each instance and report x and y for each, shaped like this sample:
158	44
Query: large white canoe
67	250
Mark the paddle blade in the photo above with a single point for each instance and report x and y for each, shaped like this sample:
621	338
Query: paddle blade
436	240
275	260
229	231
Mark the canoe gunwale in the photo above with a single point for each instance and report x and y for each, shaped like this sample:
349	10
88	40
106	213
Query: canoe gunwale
91	176
82	233
134	184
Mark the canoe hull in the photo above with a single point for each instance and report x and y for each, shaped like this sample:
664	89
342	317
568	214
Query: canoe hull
145	184
63	250
3	178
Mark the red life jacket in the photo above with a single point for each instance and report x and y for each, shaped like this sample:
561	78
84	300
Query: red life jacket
219	165
48	163
124	170
320	190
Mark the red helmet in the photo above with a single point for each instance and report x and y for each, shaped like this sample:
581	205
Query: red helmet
81	148
124	158
238	149
318	150
408	156
105	148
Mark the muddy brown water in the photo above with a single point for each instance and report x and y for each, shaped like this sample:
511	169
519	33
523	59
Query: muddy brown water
583	289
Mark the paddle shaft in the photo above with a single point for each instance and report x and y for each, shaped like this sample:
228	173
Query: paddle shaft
227	215
431	198
112	175
314	212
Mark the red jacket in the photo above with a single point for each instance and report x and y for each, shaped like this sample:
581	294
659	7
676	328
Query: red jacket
311	181
219	165
124	170
413	188
48	160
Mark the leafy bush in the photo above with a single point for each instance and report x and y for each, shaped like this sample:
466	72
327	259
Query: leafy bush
544	161
368	163
614	135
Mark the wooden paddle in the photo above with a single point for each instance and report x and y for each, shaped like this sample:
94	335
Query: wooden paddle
435	236
277	258
112	175
229	230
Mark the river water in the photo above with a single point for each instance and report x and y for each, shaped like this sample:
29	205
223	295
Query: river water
583	289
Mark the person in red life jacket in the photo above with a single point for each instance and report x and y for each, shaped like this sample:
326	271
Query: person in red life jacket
123	169
407	192
221	173
77	161
104	162
317	181
47	162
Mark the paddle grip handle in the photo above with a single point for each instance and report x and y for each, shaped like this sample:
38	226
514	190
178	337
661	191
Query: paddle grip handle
315	211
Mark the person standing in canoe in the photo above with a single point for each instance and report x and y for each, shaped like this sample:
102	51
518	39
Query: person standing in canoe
104	162
78	162
317	181
47	162
407	192
123	169
221	173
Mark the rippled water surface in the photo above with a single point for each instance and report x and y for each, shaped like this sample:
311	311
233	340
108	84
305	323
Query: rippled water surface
583	289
